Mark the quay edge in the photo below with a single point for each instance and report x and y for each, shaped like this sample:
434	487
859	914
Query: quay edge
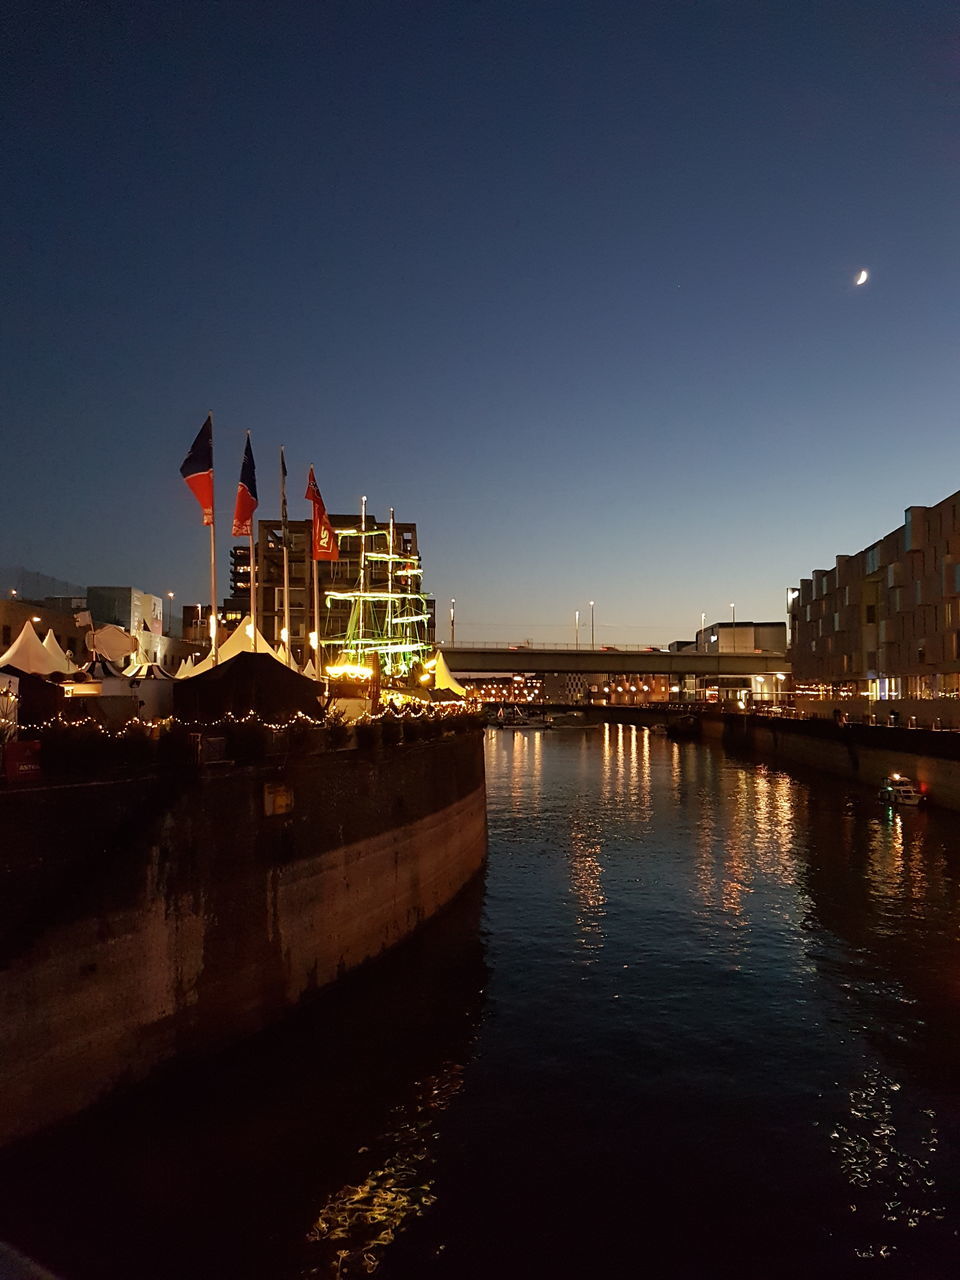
861	752
212	905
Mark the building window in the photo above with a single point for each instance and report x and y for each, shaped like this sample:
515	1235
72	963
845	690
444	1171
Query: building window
871	613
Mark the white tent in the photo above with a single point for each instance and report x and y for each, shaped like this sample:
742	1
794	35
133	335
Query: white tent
185	668
28	654
55	652
240	642
310	671
442	679
146	671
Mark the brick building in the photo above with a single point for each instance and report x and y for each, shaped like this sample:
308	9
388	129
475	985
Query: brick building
885	622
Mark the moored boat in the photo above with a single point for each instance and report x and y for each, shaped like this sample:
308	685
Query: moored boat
896	789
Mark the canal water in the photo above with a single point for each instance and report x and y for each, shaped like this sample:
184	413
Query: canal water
702	1018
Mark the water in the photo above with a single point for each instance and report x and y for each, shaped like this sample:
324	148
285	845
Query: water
707	1024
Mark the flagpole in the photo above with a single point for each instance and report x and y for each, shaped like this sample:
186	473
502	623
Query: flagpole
286	556
363	564
316	618
390	562
253	587
214	645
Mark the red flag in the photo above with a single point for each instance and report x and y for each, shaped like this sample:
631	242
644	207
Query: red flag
324	539
197	469
247	501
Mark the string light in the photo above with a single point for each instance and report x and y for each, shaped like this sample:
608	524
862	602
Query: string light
437	711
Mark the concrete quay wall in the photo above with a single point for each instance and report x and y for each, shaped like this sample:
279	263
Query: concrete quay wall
152	919
865	753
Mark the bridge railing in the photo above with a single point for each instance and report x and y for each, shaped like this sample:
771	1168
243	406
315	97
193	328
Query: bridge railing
525	644
500	647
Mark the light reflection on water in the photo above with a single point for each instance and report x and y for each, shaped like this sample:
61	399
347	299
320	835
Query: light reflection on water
741	1041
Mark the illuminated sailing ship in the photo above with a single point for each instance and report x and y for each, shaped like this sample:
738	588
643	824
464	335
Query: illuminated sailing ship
387	630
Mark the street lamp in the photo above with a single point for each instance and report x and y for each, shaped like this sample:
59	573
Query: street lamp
170	618
593	639
733	610
453	622
703	628
576	617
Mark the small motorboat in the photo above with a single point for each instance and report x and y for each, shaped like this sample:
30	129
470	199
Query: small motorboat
897	789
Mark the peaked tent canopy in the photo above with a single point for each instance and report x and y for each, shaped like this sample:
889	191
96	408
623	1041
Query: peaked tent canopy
442	679
55	652
241	641
246	682
28	654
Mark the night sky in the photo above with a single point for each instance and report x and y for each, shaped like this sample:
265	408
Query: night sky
568	284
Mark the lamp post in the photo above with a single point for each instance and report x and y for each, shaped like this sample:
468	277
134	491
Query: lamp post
453	622
576	625
593	638
169	628
733	611
703	629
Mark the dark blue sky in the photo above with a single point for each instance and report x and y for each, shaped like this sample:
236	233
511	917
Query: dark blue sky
569	284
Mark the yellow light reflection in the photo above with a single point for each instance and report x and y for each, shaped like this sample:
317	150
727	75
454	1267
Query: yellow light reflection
891	1186
586	881
356	1226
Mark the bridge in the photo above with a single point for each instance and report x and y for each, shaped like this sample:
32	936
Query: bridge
508	659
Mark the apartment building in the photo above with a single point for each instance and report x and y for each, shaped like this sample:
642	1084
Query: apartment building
885	622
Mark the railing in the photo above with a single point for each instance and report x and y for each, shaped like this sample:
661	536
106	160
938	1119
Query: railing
523	645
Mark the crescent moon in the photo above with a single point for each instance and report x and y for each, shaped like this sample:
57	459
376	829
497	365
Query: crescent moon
862	278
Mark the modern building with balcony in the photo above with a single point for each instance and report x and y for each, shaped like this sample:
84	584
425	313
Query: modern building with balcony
885	622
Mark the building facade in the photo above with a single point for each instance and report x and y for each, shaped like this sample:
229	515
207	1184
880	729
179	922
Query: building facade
885	622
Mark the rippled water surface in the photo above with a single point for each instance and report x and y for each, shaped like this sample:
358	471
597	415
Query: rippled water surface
705	1021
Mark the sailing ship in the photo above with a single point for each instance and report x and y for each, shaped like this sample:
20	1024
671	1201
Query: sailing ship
385	641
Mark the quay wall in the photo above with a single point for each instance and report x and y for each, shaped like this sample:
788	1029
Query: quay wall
156	918
865	753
